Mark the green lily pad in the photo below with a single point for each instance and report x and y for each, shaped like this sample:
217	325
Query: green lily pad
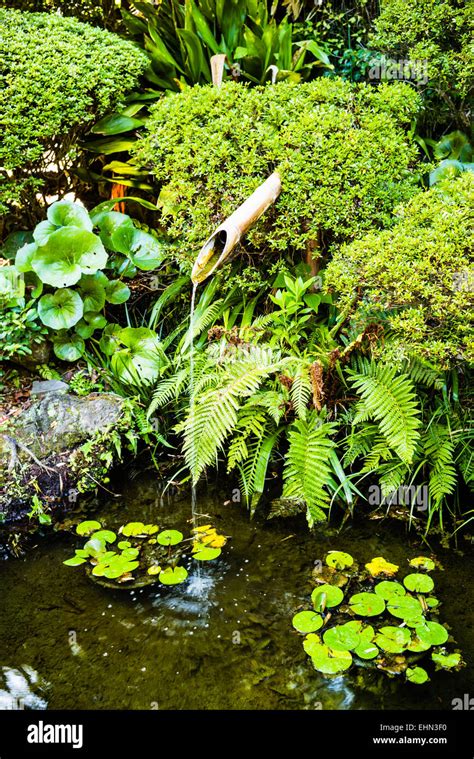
124	544
155	569
343	637
139	530
406	608
326	596
94	547
432	633
339	560
367	604
367	648
169	537
393	640
419	583
173	576
130	553
432	602
74	561
388	588
417	675
446	661
207	554
87	528
307	621
422	562
106	535
327	660
417	645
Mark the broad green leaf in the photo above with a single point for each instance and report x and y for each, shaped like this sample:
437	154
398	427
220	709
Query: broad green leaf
64	213
116	292
417	675
173	576
60	310
66	255
116	123
326	596
419	583
405	607
88	527
393	640
206	554
169	537
24	257
432	633
307	621
367	604
387	588
68	347
343	637
92	292
339	559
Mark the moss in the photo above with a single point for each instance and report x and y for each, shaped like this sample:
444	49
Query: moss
420	273
342	150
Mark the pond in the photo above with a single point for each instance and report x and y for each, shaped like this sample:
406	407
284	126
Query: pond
67	643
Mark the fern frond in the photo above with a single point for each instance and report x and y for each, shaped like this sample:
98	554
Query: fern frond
214	413
166	390
253	470
301	391
391	401
439	448
307	470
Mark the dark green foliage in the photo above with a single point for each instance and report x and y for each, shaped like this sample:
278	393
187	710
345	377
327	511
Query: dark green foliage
439	32
104	13
416	277
342	152
57	76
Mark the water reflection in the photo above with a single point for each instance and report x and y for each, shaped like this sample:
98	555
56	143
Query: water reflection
22	689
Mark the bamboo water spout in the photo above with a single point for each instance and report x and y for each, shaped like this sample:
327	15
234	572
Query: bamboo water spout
223	241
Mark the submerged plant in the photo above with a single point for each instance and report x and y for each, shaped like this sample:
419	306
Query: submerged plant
401	632
150	554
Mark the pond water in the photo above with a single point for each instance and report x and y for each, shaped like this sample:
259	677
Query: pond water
67	643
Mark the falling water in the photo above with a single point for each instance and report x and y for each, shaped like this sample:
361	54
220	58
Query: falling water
196	585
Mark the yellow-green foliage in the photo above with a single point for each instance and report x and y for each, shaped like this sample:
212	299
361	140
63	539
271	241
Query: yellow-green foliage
439	32
57	75
420	273
344	157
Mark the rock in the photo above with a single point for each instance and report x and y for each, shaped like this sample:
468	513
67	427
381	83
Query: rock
49	386
58	421
40	448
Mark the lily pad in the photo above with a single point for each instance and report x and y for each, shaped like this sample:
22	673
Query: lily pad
343	637
417	645
173	575
87	528
307	621
328	660
392	639
339	560
207	554
380	566
406	608
419	583
155	569
74	561
367	604
367	648
106	535
326	596
432	602
417	675
432	633
422	562
138	530
446	661
387	588
169	537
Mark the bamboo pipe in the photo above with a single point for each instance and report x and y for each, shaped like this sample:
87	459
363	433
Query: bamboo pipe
222	242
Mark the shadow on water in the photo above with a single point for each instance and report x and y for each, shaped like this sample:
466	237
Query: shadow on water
222	640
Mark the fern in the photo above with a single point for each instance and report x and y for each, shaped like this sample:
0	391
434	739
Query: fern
439	449
307	470
214	413
391	401
301	391
254	469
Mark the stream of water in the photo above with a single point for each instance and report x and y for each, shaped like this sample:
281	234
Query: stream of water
67	643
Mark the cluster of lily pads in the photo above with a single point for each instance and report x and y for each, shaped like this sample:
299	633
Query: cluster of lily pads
141	553
401	630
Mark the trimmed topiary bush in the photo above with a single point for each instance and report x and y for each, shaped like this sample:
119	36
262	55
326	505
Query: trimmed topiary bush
57	76
343	154
440	33
417	276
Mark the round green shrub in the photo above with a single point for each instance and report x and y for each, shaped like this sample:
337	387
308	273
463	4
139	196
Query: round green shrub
57	76
343	154
440	33
419	275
